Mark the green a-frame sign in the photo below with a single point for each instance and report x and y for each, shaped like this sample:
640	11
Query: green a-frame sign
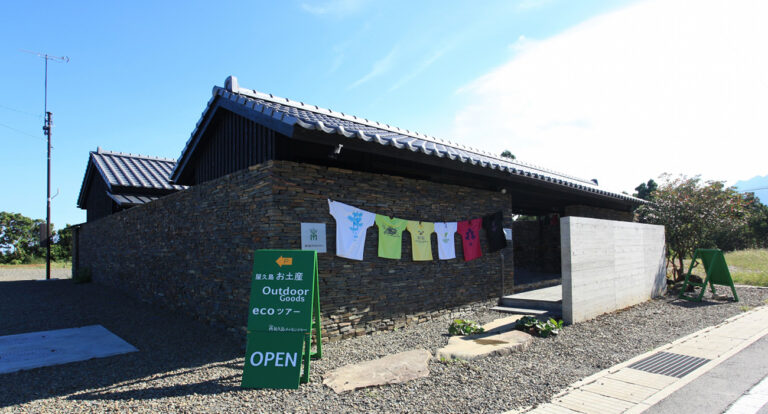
717	274
284	311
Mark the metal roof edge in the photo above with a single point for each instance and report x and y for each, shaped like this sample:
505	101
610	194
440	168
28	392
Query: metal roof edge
130	155
91	161
194	139
86	180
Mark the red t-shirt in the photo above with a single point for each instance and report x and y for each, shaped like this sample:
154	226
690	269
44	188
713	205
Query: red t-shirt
470	238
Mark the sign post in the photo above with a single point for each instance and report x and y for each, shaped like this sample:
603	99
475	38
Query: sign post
284	311
717	274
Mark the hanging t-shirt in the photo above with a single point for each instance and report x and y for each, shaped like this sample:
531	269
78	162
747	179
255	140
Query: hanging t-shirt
421	239
390	236
351	225
492	224
470	238
446	249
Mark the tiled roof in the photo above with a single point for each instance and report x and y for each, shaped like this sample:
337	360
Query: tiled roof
140	171
130	173
311	117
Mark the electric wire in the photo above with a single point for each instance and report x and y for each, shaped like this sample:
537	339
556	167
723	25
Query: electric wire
21	132
38	116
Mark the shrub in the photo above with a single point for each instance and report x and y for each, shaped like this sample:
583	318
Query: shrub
536	327
462	327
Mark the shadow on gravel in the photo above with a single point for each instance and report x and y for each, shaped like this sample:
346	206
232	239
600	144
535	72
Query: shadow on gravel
703	304
170	344
208	387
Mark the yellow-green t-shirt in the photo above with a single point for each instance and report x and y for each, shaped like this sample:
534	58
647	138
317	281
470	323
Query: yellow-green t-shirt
421	239
390	236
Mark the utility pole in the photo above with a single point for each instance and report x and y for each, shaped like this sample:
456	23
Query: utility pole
47	130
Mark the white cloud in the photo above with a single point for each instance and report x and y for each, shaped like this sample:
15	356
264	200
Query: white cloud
660	86
421	67
532	4
522	44
337	8
380	67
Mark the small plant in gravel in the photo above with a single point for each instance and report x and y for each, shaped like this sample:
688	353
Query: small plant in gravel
534	326
451	361
745	308
463	327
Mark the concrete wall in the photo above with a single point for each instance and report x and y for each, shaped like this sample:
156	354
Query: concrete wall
598	213
609	265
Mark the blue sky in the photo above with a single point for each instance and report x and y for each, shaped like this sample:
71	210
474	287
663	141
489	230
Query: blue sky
507	74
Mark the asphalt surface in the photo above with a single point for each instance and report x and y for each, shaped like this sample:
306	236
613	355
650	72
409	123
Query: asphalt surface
717	389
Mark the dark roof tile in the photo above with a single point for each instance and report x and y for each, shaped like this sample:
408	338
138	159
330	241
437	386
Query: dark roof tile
131	173
312	117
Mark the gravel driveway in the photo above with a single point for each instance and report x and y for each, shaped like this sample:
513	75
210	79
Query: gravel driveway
16	273
186	366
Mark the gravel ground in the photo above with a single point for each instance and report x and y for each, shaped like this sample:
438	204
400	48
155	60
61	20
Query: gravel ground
16	273
186	366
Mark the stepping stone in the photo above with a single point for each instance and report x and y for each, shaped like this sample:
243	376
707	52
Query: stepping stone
502	325
392	369
473	347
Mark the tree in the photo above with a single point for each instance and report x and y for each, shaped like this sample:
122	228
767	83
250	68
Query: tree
645	191
19	238
754	234
508	154
693	214
61	250
758	225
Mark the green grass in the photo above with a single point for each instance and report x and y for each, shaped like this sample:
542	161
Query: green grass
749	267
54	265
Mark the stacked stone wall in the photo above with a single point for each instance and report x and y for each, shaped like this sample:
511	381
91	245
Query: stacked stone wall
537	245
191	251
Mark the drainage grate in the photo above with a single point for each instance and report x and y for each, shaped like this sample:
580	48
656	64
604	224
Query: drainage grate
669	364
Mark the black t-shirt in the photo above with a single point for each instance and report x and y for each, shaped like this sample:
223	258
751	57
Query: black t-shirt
494	231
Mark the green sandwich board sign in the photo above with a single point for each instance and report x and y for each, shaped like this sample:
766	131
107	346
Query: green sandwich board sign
284	311
717	274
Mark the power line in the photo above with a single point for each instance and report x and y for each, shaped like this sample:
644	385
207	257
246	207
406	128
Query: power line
22	132
21	112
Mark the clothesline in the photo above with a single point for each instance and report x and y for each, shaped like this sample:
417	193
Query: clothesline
352	224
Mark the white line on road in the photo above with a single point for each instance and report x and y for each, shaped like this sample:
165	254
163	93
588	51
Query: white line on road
752	401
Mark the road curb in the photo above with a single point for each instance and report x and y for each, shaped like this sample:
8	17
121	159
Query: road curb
574	390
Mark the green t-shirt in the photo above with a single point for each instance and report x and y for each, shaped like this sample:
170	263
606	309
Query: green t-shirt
421	239
390	236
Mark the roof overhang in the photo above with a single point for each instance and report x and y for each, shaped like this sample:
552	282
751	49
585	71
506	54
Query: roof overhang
130	200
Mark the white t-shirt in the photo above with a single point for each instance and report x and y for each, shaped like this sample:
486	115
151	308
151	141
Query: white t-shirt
351	225
446	249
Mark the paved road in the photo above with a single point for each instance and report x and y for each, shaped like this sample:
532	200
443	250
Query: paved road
717	389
